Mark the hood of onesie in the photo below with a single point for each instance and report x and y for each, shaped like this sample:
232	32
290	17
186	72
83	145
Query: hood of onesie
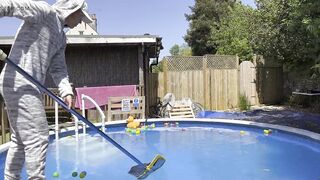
66	7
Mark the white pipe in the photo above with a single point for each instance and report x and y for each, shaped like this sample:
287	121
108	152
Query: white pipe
57	155
56	119
103	117
77	160
76	129
83	113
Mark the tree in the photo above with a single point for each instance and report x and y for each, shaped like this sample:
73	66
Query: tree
235	33
183	50
308	16
283	30
158	68
204	19
174	50
289	33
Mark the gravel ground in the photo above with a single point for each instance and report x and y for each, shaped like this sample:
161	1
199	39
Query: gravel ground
284	116
280	115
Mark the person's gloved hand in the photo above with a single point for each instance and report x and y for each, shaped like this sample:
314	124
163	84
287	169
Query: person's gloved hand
68	100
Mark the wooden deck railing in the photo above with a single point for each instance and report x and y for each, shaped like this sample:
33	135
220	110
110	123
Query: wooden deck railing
116	107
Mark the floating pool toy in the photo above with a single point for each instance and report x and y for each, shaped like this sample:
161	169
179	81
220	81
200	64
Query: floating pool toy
153	125
55	174
131	123
267	131
74	174
242	132
165	124
82	174
130	118
136	131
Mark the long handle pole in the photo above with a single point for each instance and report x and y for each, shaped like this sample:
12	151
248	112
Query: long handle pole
4	58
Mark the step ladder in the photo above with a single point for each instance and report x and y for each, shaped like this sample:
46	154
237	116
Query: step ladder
181	111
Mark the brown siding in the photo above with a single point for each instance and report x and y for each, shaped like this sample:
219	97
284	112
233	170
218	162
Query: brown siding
101	65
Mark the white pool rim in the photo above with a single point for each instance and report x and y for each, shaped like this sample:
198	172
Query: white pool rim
302	132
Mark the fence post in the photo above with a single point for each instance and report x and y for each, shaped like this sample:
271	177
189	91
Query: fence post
238	80
165	76
205	82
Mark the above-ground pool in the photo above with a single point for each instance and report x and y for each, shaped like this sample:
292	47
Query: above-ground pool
193	151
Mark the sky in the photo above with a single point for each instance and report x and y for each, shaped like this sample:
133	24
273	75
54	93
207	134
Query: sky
165	18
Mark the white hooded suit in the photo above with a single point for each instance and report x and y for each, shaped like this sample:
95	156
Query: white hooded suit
39	47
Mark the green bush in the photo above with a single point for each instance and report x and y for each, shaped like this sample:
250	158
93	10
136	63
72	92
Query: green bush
243	103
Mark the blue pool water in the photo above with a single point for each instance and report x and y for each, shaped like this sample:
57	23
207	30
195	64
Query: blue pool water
196	151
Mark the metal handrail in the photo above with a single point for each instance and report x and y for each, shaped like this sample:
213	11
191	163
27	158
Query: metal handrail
83	97
103	117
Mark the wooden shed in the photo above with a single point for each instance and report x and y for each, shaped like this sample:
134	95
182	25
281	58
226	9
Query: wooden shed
106	60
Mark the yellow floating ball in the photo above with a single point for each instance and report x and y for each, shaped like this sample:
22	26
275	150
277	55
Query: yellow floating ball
153	125
55	174
82	174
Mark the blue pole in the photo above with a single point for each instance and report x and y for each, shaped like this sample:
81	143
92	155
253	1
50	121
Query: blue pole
72	111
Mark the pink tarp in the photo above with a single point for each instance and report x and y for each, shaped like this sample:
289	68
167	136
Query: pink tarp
102	93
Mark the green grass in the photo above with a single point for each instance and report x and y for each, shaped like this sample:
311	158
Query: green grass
244	104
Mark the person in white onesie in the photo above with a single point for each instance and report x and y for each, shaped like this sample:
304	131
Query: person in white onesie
39	46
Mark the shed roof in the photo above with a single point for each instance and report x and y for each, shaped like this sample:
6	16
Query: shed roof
152	42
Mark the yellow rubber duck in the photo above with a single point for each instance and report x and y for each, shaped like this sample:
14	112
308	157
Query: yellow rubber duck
131	123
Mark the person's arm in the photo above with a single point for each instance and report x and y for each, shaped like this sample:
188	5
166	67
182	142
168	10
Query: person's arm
27	10
59	73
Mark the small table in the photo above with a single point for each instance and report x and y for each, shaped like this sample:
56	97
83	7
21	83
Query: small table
306	94
309	95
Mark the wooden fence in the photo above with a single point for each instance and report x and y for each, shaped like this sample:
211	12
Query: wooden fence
210	80
216	82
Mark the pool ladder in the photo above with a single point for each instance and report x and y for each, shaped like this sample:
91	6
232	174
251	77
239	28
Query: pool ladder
76	120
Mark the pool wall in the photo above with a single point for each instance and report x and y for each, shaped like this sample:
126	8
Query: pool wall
159	121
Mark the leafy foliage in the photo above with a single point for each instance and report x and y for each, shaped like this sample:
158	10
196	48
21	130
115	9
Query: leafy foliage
205	18
183	50
158	67
287	31
235	33
243	103
174	51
